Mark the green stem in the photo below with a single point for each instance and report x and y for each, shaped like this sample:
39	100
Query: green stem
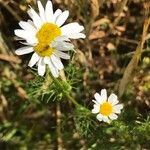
72	100
67	94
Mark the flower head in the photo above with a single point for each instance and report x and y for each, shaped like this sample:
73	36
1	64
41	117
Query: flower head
47	38
106	108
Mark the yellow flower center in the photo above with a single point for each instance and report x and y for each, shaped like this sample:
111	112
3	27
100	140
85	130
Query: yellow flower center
106	109
45	36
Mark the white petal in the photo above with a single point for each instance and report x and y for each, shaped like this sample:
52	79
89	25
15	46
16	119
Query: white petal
28	44
66	46
104	94
95	110
41	11
41	67
53	69
29	36
57	62
27	26
95	102
49	11
56	14
46	60
117	108
113	99
62	46
62	55
76	36
62	18
106	119
98	98
35	17
31	40
24	50
62	39
22	33
99	117
71	28
34	59
96	106
113	116
117	111
31	22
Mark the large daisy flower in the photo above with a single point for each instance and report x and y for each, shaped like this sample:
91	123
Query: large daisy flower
106	108
47	38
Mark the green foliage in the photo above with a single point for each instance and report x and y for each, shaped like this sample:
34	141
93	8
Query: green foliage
44	89
119	135
36	123
73	74
83	122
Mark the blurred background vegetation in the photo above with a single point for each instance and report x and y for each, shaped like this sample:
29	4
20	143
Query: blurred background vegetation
115	55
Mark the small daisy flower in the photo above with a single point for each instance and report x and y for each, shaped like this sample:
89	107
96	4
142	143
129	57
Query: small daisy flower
106	108
47	37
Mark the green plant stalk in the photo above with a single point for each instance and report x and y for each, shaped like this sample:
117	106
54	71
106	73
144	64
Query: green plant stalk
68	95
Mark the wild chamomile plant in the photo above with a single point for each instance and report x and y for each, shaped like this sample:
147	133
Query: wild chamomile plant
106	108
48	39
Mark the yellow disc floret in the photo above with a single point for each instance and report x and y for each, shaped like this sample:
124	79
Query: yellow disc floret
45	36
106	109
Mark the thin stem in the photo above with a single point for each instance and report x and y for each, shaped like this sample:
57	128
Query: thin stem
72	100
67	94
58	122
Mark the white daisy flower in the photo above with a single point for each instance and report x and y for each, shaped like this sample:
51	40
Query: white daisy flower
47	38
106	108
